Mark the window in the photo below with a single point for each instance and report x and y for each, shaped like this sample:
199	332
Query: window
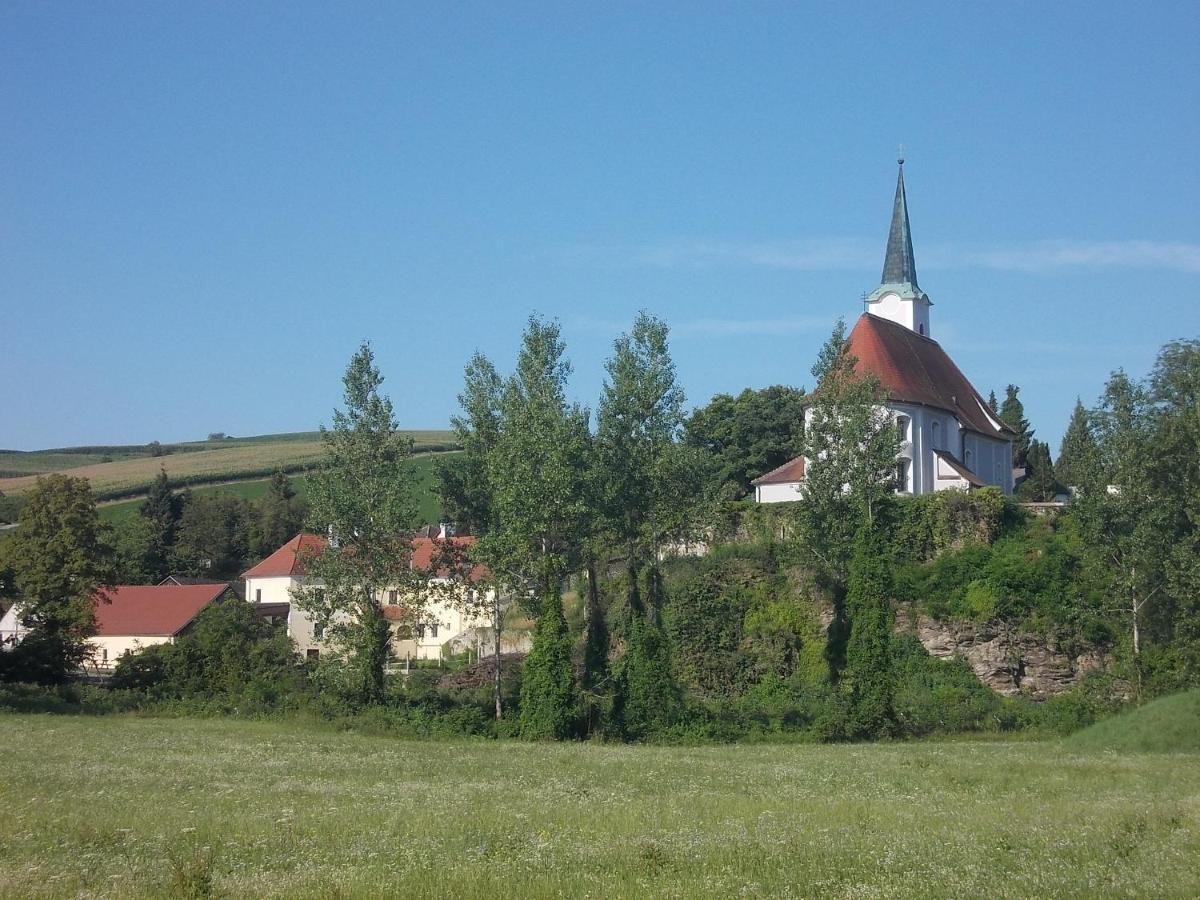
318	631
104	654
902	475
404	633
934	442
433	627
420	630
392	598
902	427
313	653
921	328
258	595
967	459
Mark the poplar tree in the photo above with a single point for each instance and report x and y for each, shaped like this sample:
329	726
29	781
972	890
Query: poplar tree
649	484
465	488
60	569
537	472
362	498
162	508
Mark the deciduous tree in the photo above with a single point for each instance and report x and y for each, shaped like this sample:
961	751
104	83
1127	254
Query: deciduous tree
362	497
60	568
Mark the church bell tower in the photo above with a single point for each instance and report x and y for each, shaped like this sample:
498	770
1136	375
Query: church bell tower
898	298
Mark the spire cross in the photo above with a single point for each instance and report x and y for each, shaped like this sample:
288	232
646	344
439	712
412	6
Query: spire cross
900	154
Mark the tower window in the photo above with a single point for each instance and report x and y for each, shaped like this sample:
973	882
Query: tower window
921	328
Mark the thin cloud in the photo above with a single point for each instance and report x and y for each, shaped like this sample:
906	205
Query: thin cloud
839	254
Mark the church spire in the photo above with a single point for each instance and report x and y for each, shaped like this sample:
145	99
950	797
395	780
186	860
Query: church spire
899	267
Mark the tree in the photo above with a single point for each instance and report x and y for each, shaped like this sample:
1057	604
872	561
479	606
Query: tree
749	435
851	446
163	508
362	496
279	515
867	678
1012	414
646	486
1128	520
548	679
60	571
463	483
463	479
1040	485
133	549
537	473
992	404
213	537
1077	454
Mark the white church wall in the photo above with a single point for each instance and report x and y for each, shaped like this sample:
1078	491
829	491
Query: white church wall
912	314
777	493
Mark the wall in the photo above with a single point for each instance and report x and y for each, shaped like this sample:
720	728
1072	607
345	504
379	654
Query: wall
777	493
117	645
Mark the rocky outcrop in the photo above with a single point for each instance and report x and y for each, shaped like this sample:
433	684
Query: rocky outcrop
1006	659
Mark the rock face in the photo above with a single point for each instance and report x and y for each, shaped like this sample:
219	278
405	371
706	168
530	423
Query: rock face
1007	660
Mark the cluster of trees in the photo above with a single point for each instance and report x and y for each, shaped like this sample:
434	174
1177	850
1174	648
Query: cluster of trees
202	535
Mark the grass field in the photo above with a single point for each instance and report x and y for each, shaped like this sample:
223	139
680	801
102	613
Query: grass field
120	806
429	509
132	469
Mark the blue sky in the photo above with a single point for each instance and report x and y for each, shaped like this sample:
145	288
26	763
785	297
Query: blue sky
205	207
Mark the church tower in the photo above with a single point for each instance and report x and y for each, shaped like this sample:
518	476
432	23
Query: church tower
898	298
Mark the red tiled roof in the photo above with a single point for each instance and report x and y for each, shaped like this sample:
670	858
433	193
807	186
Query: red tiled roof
913	368
287	560
790	472
160	610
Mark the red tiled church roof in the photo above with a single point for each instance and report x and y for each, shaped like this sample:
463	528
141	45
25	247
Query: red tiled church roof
791	471
288	559
913	368
160	610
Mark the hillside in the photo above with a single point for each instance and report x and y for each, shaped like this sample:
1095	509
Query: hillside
117	472
1167	725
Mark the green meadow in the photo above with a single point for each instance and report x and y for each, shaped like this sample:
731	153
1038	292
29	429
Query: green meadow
125	806
429	507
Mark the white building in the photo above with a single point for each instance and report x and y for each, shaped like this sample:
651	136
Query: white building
419	630
950	438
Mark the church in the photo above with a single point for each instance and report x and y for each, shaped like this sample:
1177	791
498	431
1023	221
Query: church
950	437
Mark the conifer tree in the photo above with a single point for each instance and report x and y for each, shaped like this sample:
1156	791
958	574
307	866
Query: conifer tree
1040	485
647	698
992	404
1012	414
1078	453
279	517
548	682
868	678
163	508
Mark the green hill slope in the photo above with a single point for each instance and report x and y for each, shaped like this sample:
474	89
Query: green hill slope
1167	725
127	471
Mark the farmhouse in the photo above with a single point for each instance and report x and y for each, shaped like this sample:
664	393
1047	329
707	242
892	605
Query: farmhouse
950	438
130	618
419	631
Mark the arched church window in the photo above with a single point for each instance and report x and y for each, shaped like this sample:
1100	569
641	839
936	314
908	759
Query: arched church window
934	443
921	328
967	454
902	427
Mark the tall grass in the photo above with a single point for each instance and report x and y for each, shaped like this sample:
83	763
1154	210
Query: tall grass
121	806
